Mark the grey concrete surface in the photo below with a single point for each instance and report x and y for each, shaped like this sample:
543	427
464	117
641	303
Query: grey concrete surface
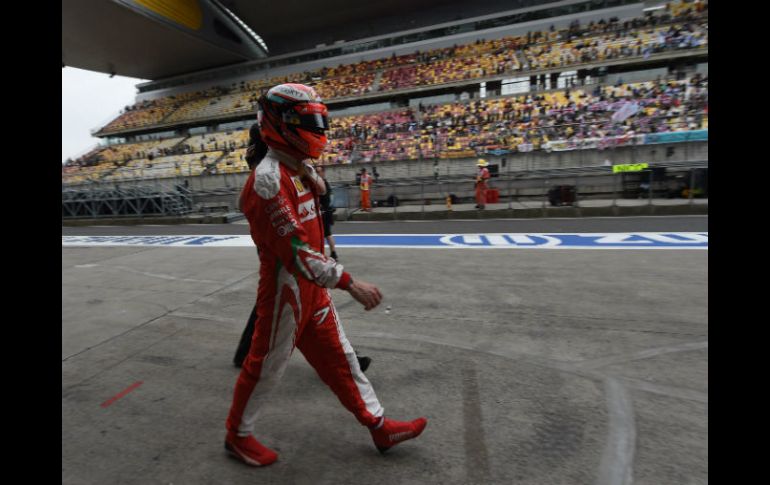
533	367
531	209
693	223
520	208
537	204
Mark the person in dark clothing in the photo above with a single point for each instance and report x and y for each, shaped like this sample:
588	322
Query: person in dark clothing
327	212
255	152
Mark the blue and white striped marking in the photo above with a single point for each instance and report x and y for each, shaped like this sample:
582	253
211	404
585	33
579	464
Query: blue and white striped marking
635	240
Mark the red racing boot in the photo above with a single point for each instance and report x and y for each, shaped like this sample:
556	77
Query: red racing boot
249	450
389	432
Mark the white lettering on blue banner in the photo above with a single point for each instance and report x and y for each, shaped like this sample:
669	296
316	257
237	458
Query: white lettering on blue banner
168	241
636	240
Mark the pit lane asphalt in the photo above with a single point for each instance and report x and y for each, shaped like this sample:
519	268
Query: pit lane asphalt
457	226
533	367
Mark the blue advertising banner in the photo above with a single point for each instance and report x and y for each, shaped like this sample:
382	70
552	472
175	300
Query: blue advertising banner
640	240
676	136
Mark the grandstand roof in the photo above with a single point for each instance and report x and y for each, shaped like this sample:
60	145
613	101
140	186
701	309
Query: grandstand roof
149	39
294	25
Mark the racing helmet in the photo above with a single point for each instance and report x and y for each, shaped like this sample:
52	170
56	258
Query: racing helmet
293	119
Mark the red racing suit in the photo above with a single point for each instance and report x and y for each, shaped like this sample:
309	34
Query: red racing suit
294	307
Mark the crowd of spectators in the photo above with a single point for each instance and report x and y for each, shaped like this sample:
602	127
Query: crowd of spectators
525	122
151	112
681	25
616	44
229	141
137	117
520	123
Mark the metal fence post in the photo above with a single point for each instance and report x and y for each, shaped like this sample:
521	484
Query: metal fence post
692	185
346	189
615	190
422	196
649	190
393	200
508	169
516	194
577	186
613	153
579	150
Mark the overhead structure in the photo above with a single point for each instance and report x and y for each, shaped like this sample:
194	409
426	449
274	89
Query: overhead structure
158	39
152	39
295	25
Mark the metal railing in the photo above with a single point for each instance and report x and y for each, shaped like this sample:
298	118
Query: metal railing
115	201
420	187
664	183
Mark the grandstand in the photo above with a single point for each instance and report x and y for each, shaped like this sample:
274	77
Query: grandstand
544	79
554	332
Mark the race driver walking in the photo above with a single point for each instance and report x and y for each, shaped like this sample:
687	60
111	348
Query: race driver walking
294	305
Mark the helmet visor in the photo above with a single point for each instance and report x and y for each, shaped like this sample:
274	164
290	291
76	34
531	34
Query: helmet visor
314	122
310	116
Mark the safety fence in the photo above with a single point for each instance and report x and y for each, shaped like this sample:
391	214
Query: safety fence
630	181
670	183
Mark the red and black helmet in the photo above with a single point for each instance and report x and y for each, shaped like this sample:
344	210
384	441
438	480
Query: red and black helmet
293	119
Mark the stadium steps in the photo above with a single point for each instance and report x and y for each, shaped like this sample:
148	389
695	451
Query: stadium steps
177	206
522	60
184	139
355	153
217	191
376	82
106	173
171	112
207	170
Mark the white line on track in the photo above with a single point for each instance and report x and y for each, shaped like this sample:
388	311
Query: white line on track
520	219
617	460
